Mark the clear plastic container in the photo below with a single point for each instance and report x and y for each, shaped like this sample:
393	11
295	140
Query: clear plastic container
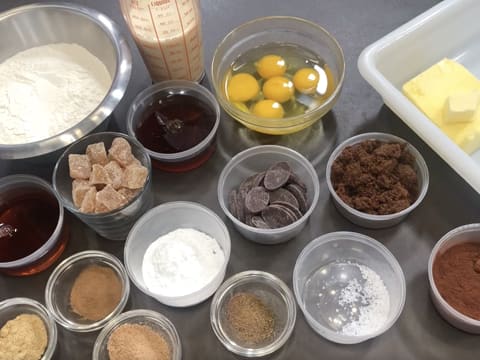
113	225
59	287
462	234
163	219
273	292
11	308
150	318
378	221
277	29
258	159
449	29
344	248
49	252
184	160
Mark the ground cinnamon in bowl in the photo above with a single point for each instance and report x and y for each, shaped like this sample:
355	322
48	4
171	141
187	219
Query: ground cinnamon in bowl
137	342
376	177
96	292
252	322
456	274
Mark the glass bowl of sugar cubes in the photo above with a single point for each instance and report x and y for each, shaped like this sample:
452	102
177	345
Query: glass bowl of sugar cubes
105	180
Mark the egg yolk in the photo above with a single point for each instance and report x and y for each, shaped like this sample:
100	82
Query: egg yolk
270	66
268	109
306	80
242	87
278	88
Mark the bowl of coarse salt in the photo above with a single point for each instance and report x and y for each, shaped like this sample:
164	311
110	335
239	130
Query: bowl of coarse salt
349	287
63	69
178	253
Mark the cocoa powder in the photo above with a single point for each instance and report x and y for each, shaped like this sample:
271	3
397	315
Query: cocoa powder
457	278
376	177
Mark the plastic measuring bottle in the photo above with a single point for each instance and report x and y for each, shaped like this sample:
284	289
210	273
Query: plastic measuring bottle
168	35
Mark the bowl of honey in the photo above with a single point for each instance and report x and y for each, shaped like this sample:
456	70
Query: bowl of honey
176	121
32	230
278	75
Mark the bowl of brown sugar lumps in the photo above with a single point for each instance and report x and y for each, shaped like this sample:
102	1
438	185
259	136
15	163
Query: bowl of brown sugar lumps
376	179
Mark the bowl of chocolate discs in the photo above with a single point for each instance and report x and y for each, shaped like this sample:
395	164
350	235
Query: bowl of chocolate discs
268	192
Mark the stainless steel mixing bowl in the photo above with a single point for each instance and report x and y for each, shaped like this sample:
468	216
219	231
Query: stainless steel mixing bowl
46	23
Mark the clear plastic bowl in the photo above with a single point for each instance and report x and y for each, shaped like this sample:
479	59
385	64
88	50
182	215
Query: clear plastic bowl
49	252
163	219
462	234
113	225
378	221
277	29
344	248
60	282
258	159
11	308
273	292
156	321
184	160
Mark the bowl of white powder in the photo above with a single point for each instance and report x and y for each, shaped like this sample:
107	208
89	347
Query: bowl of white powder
349	287
63	70
178	253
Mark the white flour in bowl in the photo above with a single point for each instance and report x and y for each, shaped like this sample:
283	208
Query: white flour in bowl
47	89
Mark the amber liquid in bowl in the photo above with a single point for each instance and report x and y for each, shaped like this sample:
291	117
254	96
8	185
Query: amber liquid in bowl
28	217
174	124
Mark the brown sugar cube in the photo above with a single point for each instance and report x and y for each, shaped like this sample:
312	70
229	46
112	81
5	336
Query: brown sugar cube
79	165
99	176
128	193
115	172
99	207
110	198
121	151
134	176
79	189
88	203
97	153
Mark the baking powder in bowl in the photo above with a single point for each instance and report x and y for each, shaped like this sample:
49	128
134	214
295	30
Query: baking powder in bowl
181	262
47	89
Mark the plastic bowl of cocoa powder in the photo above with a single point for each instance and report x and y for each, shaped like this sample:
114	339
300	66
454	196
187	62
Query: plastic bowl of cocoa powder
138	335
253	313
454	277
385	198
21	316
87	290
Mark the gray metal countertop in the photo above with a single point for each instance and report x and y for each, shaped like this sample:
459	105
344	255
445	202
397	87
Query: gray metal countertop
420	333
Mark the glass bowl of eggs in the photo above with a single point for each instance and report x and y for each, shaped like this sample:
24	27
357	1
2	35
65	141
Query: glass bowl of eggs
278	75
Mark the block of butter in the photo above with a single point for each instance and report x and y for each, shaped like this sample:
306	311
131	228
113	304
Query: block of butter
446	93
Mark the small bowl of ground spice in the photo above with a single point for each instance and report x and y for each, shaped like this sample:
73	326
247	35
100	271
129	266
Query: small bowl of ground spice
253	313
376	179
87	290
454	277
27	330
138	335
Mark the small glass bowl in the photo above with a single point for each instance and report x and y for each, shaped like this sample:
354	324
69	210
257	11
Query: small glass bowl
273	292
462	234
156	321
184	160
258	159
344	248
11	308
113	225
166	218
60	282
378	221
283	30
50	251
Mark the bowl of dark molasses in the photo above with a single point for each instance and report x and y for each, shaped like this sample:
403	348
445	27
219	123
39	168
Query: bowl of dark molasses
32	231
176	121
